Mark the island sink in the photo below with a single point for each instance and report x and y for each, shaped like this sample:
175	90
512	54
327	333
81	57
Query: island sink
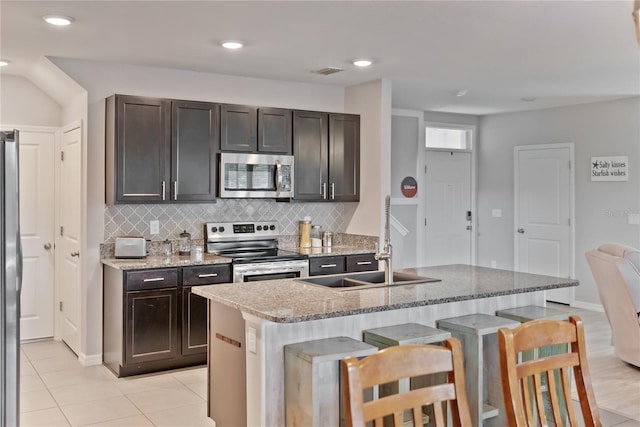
372	279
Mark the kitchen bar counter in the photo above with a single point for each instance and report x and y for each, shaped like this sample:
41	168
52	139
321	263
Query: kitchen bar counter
291	300
164	261
250	323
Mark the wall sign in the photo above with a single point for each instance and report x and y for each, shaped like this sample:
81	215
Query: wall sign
409	187
615	168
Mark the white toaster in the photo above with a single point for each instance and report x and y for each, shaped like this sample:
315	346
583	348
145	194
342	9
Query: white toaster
131	247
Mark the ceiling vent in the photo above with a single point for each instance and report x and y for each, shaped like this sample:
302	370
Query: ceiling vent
327	71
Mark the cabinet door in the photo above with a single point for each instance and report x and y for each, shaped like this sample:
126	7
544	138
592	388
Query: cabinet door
344	157
274	130
194	145
238	125
142	145
326	265
151	331
310	150
194	322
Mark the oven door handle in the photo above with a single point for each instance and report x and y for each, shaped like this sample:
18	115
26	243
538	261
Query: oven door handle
278	178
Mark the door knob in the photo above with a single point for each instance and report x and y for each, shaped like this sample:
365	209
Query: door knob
521	230
75	254
47	246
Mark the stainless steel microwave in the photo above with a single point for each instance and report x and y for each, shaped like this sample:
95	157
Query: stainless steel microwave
256	175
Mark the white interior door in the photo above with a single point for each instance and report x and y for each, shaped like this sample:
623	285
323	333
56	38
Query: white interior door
544	213
69	237
37	222
448	203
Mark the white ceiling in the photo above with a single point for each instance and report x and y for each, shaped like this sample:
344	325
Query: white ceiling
560	52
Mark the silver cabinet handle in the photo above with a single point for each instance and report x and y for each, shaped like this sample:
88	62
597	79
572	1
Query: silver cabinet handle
208	275
47	246
323	188
521	230
363	263
278	178
327	265
175	190
75	254
163	191
333	191
154	279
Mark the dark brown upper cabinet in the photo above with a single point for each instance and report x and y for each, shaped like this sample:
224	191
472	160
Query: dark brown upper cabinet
138	149
327	156
160	151
255	130
194	148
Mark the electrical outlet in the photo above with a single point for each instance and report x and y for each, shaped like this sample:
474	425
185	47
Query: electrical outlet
493	264
251	340
154	226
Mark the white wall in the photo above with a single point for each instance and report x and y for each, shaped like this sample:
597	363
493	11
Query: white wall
598	129
22	102
102	79
372	101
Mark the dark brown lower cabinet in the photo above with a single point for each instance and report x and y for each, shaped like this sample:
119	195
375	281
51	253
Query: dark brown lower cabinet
151	319
194	322
151	325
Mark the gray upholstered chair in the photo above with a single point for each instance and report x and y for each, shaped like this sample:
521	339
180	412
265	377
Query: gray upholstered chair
616	270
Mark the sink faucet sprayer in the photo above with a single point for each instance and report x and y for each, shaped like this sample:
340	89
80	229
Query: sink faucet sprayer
386	254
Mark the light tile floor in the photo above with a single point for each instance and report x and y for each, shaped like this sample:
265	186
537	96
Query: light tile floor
57	391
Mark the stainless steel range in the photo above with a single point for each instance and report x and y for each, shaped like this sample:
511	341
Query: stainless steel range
253	247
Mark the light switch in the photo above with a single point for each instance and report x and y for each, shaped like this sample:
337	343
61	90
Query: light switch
251	340
496	213
154	226
634	218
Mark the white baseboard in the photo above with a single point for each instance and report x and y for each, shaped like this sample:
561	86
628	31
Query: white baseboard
90	360
589	306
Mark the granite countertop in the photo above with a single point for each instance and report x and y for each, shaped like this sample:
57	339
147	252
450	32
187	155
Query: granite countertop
290	300
164	261
328	251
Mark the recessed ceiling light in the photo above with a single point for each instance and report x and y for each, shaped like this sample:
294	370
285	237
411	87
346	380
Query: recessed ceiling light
58	20
232	44
529	98
3	63
362	62
460	93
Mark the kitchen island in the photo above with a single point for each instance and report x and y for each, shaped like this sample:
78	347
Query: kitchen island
250	323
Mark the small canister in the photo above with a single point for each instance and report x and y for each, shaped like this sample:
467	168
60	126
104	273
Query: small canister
185	244
168	250
316	236
327	238
305	232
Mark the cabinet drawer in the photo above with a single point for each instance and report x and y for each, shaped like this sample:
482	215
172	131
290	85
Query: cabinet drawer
207	274
151	279
365	262
326	265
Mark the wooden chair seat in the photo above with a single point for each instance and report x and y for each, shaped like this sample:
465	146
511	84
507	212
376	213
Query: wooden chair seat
395	363
538	392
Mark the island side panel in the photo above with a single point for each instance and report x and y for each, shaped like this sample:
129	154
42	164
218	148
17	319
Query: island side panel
265	367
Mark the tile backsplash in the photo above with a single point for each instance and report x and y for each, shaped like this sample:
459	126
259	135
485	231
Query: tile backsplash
120	220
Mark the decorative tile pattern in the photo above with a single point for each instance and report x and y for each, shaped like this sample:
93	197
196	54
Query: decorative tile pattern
122	220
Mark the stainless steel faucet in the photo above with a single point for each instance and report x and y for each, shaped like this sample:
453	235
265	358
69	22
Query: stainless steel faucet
385	255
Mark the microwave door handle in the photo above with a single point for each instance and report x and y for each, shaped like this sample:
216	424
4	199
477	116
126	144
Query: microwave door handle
278	178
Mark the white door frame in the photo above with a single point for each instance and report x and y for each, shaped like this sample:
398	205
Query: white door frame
422	159
572	210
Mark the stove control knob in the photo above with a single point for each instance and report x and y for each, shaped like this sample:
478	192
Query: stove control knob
259	228
214	229
221	229
273	227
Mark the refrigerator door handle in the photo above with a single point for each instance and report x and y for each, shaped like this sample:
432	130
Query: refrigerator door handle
18	262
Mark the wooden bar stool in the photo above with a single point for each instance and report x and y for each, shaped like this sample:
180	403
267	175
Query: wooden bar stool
313	388
399	335
478	335
535	312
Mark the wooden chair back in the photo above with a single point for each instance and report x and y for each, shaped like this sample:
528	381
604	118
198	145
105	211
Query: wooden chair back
536	389
395	363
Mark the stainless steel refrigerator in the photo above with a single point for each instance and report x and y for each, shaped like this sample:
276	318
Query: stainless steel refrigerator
11	275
